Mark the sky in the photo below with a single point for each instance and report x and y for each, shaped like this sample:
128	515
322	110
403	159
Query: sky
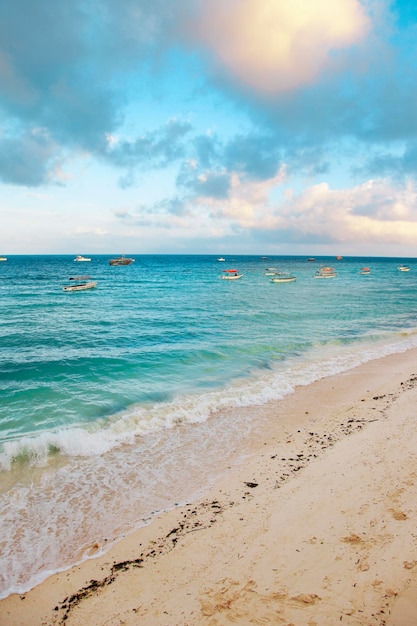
208	127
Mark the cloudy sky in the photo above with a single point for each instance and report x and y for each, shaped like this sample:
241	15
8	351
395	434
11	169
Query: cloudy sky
208	126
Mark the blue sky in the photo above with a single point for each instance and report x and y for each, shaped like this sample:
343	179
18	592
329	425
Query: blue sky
208	126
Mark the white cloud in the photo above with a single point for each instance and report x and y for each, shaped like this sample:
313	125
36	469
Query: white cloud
375	211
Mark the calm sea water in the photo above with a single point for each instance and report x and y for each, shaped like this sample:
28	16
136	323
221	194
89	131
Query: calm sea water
118	402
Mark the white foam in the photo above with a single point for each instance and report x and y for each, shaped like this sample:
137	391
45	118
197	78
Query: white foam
138	421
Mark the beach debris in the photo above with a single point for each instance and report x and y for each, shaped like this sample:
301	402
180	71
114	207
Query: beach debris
306	598
352	538
398	515
251	485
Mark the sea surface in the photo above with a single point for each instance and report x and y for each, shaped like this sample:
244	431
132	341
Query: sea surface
127	399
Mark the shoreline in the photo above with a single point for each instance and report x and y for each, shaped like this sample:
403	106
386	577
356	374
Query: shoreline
315	527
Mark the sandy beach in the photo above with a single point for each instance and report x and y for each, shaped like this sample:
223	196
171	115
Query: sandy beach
317	527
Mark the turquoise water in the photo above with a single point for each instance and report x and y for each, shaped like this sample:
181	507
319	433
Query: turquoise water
118	402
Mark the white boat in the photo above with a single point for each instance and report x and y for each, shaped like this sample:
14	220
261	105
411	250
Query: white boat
364	271
81	258
81	283
121	260
221	259
3	258
325	272
230	275
270	271
283	278
403	268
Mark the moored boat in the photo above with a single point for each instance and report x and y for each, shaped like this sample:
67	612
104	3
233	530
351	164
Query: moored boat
3	258
283	278
221	258
364	271
230	275
121	260
79	258
403	268
325	272
81	283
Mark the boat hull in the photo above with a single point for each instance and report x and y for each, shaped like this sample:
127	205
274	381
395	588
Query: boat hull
81	286
325	276
121	261
283	279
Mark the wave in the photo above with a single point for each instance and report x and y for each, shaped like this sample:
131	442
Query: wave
263	386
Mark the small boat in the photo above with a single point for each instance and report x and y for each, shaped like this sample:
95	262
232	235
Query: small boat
81	283
221	259
325	272
339	258
230	275
403	268
364	271
79	258
311	259
283	278
121	260
271	271
3	258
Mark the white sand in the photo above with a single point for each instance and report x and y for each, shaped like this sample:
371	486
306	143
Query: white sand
319	527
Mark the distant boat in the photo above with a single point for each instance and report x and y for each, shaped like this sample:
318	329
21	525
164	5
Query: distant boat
81	283
364	271
230	275
283	278
221	259
121	260
325	272
403	268
270	271
311	259
3	258
339	258
79	258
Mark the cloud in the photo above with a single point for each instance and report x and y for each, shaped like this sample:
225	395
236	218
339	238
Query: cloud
382	202
310	78
245	204
64	67
196	181
274	46
29	159
374	211
154	149
123	214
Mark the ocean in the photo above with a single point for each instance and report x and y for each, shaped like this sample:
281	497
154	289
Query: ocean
125	400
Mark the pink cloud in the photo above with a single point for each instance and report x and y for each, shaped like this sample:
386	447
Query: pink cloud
274	46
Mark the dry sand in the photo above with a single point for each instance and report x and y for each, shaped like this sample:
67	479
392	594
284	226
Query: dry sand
317	527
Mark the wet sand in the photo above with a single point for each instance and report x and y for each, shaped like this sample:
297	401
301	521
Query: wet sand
316	527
